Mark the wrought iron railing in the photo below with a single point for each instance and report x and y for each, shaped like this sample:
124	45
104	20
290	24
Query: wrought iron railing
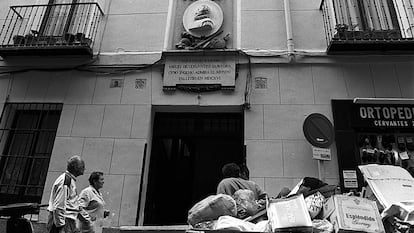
368	20
51	25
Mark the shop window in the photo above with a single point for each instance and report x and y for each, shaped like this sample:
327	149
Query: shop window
387	149
27	134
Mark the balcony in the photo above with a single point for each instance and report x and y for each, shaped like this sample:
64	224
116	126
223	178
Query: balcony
50	30
369	26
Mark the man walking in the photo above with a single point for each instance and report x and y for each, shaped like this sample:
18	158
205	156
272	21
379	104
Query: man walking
63	203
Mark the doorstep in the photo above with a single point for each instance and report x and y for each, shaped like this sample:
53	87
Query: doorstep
150	229
164	229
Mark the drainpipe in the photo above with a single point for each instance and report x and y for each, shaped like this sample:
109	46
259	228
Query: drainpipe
288	20
168	28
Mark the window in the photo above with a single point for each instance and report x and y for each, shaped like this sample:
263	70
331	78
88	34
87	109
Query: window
27	134
67	16
362	15
394	18
405	12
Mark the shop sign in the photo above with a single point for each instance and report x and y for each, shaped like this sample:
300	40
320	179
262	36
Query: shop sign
383	116
199	70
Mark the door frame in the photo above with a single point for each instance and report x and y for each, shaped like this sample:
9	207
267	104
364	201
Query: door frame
147	156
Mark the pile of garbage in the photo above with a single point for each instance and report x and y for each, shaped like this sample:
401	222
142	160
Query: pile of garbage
386	204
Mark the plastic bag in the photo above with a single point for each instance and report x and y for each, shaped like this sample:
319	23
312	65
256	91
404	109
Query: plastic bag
262	226
314	203
246	203
288	213
211	208
322	226
394	225
404	211
206	225
231	223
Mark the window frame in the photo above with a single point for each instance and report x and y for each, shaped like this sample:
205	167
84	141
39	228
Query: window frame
24	181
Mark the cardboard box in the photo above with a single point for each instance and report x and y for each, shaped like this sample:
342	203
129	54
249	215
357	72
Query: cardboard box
353	214
289	215
389	184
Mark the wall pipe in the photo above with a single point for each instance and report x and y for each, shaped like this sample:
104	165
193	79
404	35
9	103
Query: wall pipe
168	28
289	34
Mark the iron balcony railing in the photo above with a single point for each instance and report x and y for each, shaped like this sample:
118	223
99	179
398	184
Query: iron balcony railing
50	26
368	21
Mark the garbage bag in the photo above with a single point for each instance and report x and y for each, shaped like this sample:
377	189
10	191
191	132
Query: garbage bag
322	226
262	226
314	203
288	212
245	203
211	208
404	211
206	225
394	225
310	185
232	223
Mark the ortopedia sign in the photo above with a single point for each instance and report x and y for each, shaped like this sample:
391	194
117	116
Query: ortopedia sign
389	116
200	70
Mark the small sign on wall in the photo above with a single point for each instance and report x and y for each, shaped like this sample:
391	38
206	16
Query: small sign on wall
260	83
116	83
350	179
140	83
321	153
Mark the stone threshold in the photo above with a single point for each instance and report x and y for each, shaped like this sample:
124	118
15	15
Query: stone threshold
152	229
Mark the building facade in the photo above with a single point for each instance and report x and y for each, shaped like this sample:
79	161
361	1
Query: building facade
159	95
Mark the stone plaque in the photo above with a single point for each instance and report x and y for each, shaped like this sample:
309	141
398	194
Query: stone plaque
199	70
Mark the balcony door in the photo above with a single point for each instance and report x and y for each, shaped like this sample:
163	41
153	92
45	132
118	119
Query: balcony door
58	17
392	16
405	10
68	16
363	15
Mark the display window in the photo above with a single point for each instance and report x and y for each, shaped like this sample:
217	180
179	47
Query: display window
387	149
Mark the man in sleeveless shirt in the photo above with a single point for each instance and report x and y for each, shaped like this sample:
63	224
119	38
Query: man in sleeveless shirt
63	203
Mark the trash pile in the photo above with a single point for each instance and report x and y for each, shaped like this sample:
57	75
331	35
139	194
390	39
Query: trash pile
386	204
